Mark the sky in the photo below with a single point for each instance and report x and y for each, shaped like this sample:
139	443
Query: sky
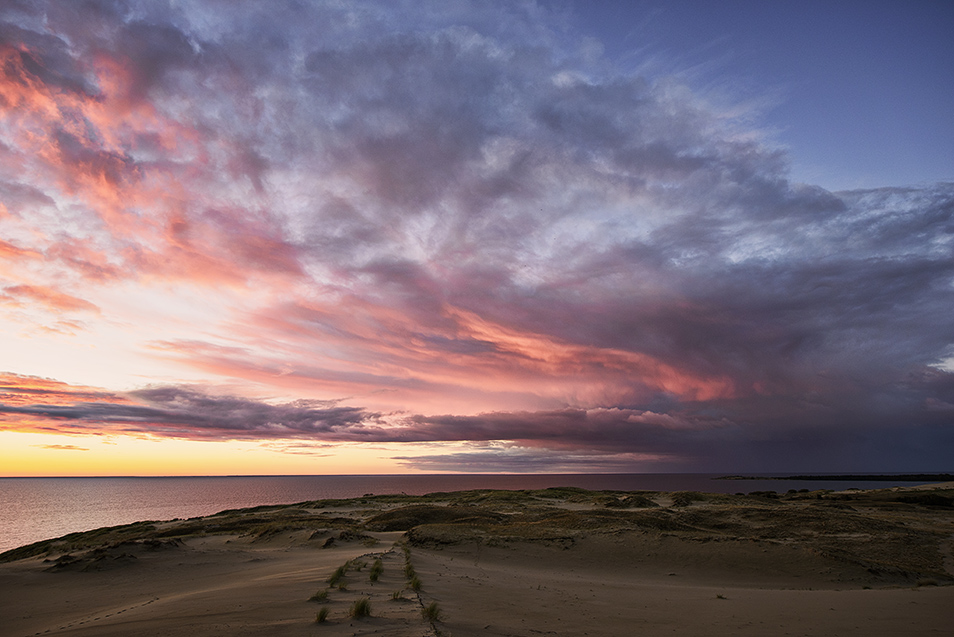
244	238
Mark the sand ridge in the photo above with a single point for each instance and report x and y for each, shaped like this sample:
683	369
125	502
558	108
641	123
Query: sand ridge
515	563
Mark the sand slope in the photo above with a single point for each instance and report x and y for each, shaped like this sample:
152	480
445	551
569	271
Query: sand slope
552	562
529	591
206	587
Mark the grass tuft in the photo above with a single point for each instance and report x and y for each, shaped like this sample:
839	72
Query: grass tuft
397	595
376	569
360	608
339	573
415	583
320	596
431	612
322	615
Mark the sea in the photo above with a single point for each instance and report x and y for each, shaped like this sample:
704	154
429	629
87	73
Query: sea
35	509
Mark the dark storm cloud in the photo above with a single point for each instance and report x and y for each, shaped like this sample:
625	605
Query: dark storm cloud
182	412
853	430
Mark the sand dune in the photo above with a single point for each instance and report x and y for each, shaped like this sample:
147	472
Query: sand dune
494	563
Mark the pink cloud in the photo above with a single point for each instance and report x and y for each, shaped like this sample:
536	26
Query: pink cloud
10	251
460	357
62	447
20	390
51	298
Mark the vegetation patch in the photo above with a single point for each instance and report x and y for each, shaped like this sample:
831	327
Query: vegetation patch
927	499
431	612
629	502
376	569
338	574
686	498
408	517
360	608
570	494
108	536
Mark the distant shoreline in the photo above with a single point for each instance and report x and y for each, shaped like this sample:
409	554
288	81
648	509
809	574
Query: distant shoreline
867	477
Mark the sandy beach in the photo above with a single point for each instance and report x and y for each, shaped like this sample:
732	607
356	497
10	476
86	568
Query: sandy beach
495	563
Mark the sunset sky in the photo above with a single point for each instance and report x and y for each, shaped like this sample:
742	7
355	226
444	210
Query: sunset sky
385	237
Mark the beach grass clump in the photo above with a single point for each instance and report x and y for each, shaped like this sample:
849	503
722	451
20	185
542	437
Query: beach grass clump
360	608
339	573
409	517
322	615
414	583
570	494
376	569
685	498
628	502
397	595
320	596
431	612
408	570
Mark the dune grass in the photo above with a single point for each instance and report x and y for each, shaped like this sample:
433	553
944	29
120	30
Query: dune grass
431	612
322	615
376	569
338	575
360	608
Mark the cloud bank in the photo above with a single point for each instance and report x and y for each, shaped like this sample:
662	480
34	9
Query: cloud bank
455	224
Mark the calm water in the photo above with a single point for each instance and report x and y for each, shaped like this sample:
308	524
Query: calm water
33	509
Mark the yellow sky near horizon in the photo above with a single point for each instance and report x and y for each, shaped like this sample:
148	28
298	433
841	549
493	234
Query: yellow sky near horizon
28	454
